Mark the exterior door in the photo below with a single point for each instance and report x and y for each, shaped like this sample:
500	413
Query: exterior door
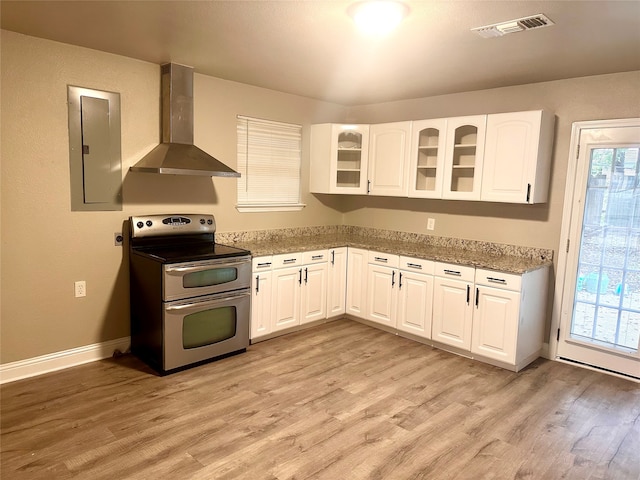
599	321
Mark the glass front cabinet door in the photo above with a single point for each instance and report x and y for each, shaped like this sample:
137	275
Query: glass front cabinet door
426	170
339	158
464	157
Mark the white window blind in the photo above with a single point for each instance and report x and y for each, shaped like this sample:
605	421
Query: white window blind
269	155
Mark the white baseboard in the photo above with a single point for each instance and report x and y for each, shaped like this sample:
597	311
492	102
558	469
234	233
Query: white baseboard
31	367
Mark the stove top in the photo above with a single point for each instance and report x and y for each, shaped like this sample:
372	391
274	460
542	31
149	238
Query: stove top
190	252
178	238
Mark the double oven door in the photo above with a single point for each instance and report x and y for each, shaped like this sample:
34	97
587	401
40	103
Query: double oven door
206	310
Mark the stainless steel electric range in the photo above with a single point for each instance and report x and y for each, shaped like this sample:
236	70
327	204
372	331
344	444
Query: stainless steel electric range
190	296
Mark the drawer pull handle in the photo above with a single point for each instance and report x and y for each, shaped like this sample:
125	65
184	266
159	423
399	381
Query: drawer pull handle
381	259
414	265
452	272
289	260
497	280
317	257
265	264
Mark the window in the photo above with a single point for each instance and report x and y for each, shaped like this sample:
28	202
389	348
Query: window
269	156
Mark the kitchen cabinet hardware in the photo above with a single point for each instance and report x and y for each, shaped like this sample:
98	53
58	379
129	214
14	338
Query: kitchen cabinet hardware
333	257
257	283
300	276
306	275
393	278
496	280
452	272
477	296
468	290
414	265
382	259
289	260
317	257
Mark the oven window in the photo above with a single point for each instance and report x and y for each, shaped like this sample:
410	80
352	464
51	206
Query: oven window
206	278
208	327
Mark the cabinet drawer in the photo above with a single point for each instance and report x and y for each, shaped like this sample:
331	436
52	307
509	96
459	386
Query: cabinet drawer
287	260
491	278
417	265
261	263
451	270
315	256
386	259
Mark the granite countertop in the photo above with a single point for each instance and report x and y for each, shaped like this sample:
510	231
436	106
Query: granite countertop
490	256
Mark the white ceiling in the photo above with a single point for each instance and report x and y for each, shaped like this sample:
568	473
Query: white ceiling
311	48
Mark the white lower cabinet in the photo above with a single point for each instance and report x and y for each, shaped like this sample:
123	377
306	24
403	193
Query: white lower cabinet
285	300
313	288
261	296
288	290
495	317
415	296
452	305
337	282
382	288
509	317
356	281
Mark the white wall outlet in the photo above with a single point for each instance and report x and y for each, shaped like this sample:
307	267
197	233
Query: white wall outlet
81	288
431	223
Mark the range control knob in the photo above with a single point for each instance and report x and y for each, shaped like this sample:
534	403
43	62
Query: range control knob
140	224
149	223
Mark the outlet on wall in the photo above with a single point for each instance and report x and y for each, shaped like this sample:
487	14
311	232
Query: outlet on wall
81	288
431	223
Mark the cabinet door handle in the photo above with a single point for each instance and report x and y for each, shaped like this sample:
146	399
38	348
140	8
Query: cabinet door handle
300	276
333	257
400	281
257	283
452	272
477	296
528	192
468	292
497	280
368	186
306	275
393	278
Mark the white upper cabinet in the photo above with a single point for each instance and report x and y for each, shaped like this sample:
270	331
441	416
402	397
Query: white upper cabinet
426	162
517	157
339	158
464	157
389	147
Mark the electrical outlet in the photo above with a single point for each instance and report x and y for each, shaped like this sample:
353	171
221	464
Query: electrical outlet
431	223
117	239
81	288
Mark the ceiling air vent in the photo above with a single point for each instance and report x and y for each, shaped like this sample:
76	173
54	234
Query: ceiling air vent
512	26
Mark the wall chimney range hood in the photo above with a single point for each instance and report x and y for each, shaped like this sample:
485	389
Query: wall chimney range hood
177	155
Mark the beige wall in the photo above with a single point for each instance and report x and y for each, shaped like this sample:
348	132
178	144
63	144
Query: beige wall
46	247
40	314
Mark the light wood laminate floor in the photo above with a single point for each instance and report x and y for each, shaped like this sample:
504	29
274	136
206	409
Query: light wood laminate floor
338	401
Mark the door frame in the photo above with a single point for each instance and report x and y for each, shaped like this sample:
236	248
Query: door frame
569	197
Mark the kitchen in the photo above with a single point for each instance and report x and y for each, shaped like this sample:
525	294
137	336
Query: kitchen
41	317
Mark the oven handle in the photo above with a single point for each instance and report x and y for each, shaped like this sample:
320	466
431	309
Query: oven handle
205	303
201	267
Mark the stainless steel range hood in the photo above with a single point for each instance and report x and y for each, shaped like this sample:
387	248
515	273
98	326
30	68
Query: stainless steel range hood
177	155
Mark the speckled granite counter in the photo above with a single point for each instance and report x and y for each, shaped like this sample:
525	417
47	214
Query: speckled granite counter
500	257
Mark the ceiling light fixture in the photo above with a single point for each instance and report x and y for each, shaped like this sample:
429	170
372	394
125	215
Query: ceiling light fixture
378	17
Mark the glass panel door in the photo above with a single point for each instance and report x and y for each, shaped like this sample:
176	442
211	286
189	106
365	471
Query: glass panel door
607	300
600	324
